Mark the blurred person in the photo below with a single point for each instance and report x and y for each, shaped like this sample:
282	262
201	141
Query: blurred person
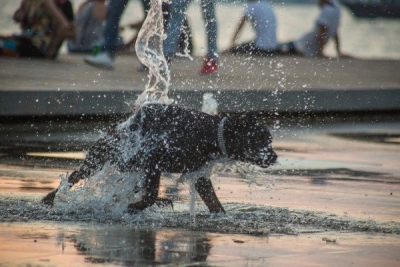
326	27
262	18
43	29
66	8
90	18
178	11
105	59
185	38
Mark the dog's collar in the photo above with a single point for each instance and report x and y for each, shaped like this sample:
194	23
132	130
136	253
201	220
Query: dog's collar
221	140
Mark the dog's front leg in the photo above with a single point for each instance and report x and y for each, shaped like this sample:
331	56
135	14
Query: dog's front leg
206	191
152	183
73	179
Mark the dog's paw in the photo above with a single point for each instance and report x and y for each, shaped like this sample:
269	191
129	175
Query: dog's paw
216	209
49	198
164	202
137	207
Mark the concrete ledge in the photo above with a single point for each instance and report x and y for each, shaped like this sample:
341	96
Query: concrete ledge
60	103
282	84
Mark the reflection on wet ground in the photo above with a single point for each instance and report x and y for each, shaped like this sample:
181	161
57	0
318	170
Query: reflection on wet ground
68	244
337	182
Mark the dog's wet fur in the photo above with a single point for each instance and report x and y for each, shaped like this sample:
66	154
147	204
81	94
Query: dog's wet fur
176	140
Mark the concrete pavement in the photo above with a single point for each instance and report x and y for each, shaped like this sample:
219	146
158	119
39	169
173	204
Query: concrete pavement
283	84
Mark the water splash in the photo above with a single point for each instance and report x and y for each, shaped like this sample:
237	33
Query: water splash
149	49
105	194
110	191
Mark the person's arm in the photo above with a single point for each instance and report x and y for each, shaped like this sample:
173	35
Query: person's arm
238	30
337	44
321	35
99	10
62	30
338	47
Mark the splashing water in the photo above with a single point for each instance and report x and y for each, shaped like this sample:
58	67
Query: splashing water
109	192
149	49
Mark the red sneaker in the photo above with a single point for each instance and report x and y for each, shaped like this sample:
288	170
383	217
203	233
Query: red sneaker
210	66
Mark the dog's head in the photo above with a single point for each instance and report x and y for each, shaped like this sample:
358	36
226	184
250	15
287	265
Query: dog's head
249	140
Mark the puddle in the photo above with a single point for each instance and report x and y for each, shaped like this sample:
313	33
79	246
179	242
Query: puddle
79	244
384	138
324	187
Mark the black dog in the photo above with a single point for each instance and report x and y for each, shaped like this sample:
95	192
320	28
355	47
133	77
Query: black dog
167	138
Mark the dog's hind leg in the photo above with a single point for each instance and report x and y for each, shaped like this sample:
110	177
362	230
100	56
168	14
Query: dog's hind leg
206	191
150	196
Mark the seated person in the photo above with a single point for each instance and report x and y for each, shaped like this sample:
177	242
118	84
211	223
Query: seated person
43	29
90	17
262	18
66	8
326	27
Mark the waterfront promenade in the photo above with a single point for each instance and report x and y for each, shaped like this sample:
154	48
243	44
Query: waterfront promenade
283	84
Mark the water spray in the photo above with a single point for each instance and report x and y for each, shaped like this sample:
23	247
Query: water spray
149	49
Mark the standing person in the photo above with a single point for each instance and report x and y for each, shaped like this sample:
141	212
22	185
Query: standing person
185	43
43	29
178	10
326	27
262	18
90	18
105	59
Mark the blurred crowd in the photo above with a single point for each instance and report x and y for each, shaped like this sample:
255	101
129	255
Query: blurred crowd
94	28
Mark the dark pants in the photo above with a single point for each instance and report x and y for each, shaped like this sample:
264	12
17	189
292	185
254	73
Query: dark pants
252	49
27	49
289	49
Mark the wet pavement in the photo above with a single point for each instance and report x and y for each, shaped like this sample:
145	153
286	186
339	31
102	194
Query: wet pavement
332	200
90	245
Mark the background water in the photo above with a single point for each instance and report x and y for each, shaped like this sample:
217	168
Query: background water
365	38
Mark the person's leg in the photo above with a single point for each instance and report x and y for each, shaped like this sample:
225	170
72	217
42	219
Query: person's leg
288	49
210	20
242	49
8	47
178	10
111	28
109	47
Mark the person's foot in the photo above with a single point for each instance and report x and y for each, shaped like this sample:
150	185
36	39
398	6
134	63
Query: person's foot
210	66
101	60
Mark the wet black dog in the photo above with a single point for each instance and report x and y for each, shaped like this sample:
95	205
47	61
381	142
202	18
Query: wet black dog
167	138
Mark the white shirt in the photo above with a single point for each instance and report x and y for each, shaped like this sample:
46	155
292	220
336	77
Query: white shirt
263	20
330	18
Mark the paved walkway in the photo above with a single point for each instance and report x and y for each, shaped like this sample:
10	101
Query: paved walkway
70	87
